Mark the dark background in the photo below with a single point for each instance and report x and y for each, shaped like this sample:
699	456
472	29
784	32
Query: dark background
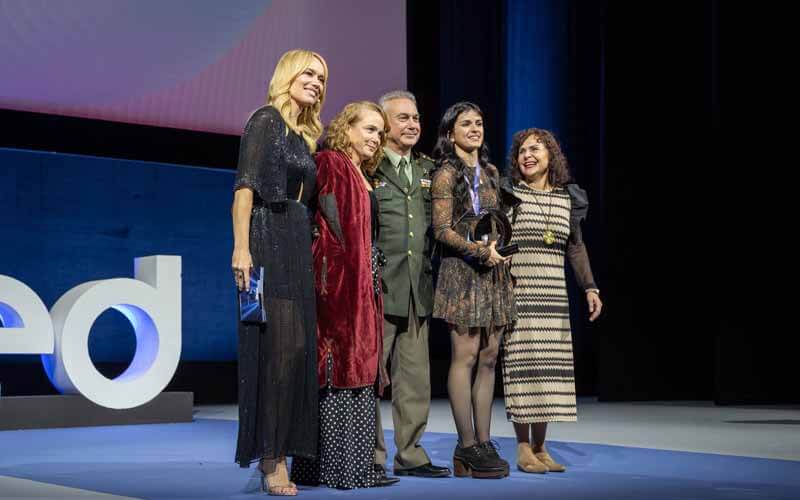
685	316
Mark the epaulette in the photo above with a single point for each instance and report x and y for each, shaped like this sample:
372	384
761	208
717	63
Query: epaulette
423	156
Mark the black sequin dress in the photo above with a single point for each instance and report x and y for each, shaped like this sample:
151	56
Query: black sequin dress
278	388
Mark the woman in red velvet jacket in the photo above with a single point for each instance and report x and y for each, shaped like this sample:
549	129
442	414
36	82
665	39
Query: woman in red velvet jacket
349	305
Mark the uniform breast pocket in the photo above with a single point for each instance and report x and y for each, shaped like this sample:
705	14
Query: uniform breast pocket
383	193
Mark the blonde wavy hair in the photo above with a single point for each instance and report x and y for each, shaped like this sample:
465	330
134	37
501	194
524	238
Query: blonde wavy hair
292	64
336	137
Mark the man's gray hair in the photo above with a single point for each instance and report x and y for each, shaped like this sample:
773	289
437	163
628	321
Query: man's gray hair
396	94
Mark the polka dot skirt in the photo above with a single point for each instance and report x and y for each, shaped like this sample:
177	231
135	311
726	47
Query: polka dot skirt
346	440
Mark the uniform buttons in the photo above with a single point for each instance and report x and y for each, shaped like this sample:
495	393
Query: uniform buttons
411	234
409	198
410	216
410	252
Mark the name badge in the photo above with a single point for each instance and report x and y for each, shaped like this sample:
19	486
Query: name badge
377	183
425	183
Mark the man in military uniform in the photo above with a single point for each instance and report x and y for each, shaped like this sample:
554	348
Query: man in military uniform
402	185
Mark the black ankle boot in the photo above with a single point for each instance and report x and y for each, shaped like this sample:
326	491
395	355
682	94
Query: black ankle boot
490	449
475	462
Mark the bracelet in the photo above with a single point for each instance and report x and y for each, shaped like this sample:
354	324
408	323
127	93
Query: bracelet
595	290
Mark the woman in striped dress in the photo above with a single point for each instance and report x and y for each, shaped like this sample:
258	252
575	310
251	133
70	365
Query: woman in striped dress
538	372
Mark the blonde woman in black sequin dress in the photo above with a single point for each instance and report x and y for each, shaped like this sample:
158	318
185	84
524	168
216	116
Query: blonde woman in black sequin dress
278	387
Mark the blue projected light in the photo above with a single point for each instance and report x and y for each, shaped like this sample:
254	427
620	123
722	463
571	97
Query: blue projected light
536	33
9	318
146	345
146	341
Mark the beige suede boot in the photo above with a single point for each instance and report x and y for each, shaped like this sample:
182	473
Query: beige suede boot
527	461
547	460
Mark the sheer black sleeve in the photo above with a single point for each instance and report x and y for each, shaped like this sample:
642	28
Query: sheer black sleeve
576	249
260	167
444	181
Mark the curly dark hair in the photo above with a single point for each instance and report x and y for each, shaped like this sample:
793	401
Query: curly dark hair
445	152
558	171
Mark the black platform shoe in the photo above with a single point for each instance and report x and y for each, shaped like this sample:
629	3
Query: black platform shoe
474	461
491	450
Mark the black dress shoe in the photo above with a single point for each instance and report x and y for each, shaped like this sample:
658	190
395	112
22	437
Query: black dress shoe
382	478
424	470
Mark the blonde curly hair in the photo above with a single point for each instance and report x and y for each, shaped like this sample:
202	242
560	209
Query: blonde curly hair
337	139
291	64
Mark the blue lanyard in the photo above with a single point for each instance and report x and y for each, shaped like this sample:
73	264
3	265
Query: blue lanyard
476	182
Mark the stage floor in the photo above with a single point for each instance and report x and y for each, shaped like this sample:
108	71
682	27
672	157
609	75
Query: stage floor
620	450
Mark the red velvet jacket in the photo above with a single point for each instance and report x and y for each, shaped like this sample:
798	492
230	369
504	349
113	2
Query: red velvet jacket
349	315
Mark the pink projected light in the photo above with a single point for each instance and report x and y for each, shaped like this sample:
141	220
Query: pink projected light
199	65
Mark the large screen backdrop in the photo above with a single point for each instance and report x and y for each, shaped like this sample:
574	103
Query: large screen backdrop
196	64
191	64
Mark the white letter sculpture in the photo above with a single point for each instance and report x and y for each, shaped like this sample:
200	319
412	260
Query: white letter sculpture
151	302
28	329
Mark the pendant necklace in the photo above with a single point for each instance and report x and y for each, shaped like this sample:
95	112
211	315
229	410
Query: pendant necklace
549	236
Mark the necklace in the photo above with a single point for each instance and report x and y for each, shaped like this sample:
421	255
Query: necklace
549	236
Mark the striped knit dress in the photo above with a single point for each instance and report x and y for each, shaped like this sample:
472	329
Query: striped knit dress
538	370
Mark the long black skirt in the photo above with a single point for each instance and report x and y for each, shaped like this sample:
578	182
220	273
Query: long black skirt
278	388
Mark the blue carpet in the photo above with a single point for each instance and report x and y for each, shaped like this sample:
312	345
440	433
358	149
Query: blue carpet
196	461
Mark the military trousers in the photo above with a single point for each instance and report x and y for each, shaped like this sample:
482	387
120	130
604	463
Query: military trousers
405	349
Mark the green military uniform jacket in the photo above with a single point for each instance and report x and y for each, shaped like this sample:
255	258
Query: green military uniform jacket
405	235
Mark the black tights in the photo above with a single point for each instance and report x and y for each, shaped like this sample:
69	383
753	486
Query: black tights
472	403
534	434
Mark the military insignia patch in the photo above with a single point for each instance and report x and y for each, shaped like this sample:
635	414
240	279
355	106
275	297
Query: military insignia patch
377	183
425	183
